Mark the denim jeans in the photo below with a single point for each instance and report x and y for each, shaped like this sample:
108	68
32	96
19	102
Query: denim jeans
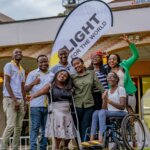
84	117
38	116
95	122
99	118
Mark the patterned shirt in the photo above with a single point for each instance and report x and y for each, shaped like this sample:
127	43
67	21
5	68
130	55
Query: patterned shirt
102	78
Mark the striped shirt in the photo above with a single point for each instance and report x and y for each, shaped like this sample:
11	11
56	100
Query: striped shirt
102	78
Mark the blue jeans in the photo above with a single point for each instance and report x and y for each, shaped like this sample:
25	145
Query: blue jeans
95	123
84	117
99	118
38	116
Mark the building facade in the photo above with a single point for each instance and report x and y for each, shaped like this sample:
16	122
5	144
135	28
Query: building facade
37	36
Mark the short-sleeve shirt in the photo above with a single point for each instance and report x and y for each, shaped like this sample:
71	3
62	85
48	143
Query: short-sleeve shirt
59	66
61	94
17	76
44	79
115	97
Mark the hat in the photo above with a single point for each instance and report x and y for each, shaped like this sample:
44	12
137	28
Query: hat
99	53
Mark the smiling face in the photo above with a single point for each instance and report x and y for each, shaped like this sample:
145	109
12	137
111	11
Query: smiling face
43	63
96	59
113	61
78	65
112	79
17	54
62	76
63	55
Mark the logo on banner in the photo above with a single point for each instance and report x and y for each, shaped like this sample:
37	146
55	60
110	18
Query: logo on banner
82	28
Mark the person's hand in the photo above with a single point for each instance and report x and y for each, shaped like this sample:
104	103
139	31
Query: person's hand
27	98
37	81
105	54
31	97
105	95
125	38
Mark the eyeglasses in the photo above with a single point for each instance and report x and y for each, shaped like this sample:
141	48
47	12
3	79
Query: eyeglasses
111	78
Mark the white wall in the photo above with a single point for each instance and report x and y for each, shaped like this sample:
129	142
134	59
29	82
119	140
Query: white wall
132	20
33	31
43	30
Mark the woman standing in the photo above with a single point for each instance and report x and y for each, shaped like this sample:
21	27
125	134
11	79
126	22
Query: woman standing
121	68
59	123
100	70
84	81
101	73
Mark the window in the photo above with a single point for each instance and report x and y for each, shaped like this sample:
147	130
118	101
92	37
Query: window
146	99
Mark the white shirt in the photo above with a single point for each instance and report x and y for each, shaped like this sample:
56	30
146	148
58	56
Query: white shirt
115	97
17	76
121	75
44	79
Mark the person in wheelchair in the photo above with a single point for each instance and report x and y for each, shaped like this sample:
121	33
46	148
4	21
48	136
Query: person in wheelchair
114	103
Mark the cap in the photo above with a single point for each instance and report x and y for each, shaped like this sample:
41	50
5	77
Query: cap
99	53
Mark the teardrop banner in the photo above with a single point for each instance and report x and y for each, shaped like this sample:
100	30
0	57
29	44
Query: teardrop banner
82	28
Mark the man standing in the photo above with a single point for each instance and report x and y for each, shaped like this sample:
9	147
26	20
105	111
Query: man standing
38	106
63	54
13	101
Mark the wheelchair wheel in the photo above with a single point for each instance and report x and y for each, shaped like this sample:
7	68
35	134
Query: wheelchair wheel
133	133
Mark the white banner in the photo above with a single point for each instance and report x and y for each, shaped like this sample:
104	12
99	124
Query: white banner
82	28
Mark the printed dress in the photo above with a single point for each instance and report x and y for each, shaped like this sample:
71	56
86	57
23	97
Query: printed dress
59	122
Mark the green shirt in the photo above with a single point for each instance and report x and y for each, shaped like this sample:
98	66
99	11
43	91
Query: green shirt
83	86
126	65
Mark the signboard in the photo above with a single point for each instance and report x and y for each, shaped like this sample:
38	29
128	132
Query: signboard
82	28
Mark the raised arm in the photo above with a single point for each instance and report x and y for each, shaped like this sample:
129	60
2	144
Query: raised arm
135	54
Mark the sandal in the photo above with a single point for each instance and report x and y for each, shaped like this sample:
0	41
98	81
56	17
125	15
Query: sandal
86	144
95	142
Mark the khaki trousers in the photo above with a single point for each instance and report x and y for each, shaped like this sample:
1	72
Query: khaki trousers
132	101
14	123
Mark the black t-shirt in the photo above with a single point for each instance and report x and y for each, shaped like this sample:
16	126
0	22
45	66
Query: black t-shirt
61	94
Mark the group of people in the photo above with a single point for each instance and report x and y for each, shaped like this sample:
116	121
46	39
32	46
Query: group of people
52	92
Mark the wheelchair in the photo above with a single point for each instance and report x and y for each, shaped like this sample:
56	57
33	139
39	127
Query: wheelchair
125	133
